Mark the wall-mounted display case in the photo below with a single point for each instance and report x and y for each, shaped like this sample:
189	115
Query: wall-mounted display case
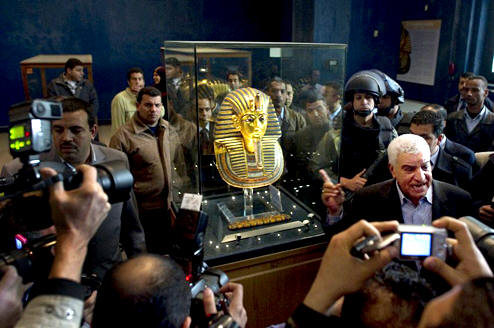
219	99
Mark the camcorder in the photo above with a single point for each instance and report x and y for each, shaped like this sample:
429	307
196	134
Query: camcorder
25	207
188	252
413	241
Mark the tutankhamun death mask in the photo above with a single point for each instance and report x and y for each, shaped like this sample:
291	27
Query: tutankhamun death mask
246	135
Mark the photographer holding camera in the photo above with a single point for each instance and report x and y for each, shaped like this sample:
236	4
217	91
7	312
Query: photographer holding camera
58	301
340	273
71	140
151	291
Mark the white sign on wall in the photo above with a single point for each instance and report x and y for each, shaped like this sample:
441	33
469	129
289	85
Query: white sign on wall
424	37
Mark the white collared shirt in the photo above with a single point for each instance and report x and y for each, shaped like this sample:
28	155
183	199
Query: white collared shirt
205	128
333	115
442	143
473	122
420	214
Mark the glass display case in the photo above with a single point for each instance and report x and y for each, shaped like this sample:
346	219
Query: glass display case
256	122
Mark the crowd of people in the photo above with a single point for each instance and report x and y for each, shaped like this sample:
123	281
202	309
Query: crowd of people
343	138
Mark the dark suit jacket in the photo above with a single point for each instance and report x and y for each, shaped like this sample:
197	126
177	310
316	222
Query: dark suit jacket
380	202
480	139
452	170
482	187
458	150
452	104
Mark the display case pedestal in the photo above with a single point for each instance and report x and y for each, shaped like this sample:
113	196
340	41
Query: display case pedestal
275	284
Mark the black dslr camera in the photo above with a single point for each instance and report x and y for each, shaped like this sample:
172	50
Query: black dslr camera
25	205
188	252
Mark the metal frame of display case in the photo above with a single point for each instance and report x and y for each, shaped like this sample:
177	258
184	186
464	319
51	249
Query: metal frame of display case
186	57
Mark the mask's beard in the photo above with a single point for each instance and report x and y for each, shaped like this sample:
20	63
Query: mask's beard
258	153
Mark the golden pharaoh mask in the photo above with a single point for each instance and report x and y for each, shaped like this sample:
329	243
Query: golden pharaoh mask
246	135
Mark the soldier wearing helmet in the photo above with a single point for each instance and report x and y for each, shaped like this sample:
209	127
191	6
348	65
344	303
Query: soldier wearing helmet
364	138
389	106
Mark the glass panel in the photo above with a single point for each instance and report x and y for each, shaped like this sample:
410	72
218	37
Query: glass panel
266	119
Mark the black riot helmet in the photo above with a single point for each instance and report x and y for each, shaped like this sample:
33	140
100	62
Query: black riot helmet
365	82
393	89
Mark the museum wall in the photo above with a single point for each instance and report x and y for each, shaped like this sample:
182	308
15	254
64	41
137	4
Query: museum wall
373	37
122	34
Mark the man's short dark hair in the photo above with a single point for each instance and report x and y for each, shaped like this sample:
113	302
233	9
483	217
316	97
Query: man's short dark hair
273	79
311	96
479	77
172	61
72	104
466	75
425	117
71	63
134	70
161	297
474	306
205	91
150	91
335	86
436	108
406	291
237	73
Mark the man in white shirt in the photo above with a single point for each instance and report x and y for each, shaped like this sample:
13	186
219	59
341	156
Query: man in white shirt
411	197
474	127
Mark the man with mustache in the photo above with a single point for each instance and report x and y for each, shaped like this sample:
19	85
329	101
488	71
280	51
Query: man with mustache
473	127
152	146
411	197
72	137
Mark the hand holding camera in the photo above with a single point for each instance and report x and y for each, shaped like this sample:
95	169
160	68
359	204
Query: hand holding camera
338	262
77	215
414	243
471	262
235	294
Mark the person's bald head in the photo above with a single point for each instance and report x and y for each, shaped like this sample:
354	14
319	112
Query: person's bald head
146	291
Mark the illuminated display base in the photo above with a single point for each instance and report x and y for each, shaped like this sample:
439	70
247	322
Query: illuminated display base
222	245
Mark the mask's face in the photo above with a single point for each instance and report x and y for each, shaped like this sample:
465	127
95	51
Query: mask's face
252	123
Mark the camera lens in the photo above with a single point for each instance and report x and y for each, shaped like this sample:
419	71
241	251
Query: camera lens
40	109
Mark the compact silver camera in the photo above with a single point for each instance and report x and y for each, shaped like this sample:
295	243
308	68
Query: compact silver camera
413	241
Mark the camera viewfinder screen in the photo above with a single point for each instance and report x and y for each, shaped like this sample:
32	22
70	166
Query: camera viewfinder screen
416	244
55	110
